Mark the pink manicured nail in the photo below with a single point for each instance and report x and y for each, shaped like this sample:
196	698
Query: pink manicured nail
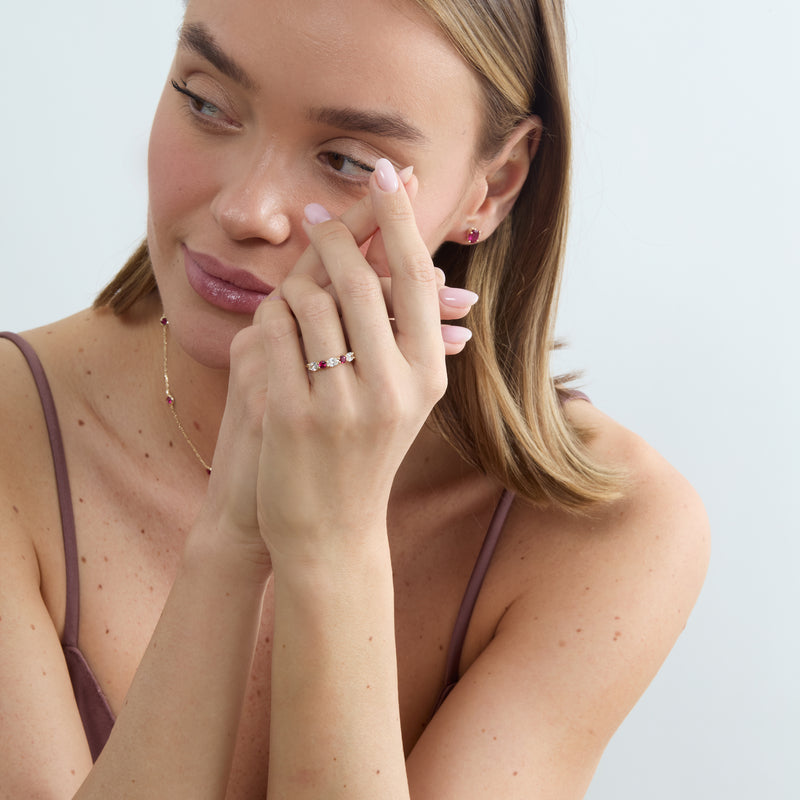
405	174
456	334
457	298
315	213
386	175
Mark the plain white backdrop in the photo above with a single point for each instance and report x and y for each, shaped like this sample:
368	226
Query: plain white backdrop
679	305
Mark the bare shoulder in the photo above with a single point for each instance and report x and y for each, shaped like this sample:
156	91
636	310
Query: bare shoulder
585	609
655	494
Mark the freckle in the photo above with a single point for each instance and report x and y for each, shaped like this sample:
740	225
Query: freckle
562	643
170	443
196	426
370	638
266	641
106	631
579	630
494	738
258	692
142	530
72	771
368	686
83	559
441	646
44	673
377	772
33	627
227	594
151	588
588	588
522	558
108	397
140	431
81	423
80	500
105	558
617	617
99	586
147	455
16	510
515	774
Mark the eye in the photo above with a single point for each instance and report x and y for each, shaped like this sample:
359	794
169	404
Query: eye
200	106
345	165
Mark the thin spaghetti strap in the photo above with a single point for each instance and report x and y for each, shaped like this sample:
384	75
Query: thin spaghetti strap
72	611
471	594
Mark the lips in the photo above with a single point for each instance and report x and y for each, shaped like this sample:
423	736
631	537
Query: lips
225	287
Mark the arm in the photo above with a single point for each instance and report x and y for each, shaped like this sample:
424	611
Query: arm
600	603
186	697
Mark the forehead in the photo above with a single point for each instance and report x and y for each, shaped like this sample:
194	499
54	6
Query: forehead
385	55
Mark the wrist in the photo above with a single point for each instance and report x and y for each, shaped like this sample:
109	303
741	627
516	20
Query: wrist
230	556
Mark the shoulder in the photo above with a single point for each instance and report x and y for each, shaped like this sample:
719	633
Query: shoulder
584	610
615	586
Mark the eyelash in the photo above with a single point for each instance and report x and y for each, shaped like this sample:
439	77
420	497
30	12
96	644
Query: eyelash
197	103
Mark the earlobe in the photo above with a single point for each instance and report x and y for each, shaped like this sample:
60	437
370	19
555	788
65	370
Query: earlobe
503	180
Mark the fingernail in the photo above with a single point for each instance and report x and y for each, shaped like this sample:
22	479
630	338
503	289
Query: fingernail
457	298
456	334
405	174
440	276
386	175
315	213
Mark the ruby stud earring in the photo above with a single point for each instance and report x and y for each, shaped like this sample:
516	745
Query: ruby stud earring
473	236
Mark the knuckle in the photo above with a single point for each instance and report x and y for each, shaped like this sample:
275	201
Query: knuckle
397	208
360	286
332	232
419	267
314	305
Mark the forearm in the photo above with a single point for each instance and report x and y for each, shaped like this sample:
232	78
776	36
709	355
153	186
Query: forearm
175	734
335	723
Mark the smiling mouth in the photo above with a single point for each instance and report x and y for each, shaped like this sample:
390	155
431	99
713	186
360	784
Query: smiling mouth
227	288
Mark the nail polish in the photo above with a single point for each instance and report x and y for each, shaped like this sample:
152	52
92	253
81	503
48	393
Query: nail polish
457	298
315	213
406	173
456	334
386	175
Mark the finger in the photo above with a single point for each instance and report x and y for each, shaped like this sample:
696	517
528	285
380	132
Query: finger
415	300
360	221
318	319
364	315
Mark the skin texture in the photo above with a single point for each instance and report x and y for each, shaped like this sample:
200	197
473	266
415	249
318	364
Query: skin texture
279	630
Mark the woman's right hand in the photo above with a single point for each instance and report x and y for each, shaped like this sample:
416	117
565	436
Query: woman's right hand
231	498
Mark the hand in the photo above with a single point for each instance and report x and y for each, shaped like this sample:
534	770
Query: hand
360	219
333	440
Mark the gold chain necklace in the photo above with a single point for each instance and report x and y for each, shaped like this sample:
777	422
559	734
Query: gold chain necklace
171	400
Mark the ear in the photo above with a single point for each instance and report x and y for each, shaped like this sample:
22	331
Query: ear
500	181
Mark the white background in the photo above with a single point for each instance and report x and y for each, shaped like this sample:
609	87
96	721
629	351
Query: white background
679	305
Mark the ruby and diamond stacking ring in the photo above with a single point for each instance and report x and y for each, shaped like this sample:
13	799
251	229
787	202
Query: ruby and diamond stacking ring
329	363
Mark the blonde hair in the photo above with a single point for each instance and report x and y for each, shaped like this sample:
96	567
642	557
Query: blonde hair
503	410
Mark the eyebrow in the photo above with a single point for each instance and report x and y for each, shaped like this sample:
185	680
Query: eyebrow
385	125
198	39
195	37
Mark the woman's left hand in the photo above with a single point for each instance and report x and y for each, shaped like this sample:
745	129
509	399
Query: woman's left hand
333	439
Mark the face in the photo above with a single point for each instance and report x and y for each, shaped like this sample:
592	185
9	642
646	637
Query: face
271	106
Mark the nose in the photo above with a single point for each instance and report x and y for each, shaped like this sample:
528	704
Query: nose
254	204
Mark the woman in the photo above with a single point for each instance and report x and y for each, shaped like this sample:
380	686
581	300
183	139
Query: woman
277	506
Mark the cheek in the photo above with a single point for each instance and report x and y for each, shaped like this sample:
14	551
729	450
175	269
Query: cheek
176	178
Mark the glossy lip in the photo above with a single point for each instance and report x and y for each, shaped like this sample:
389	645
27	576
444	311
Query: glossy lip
228	288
